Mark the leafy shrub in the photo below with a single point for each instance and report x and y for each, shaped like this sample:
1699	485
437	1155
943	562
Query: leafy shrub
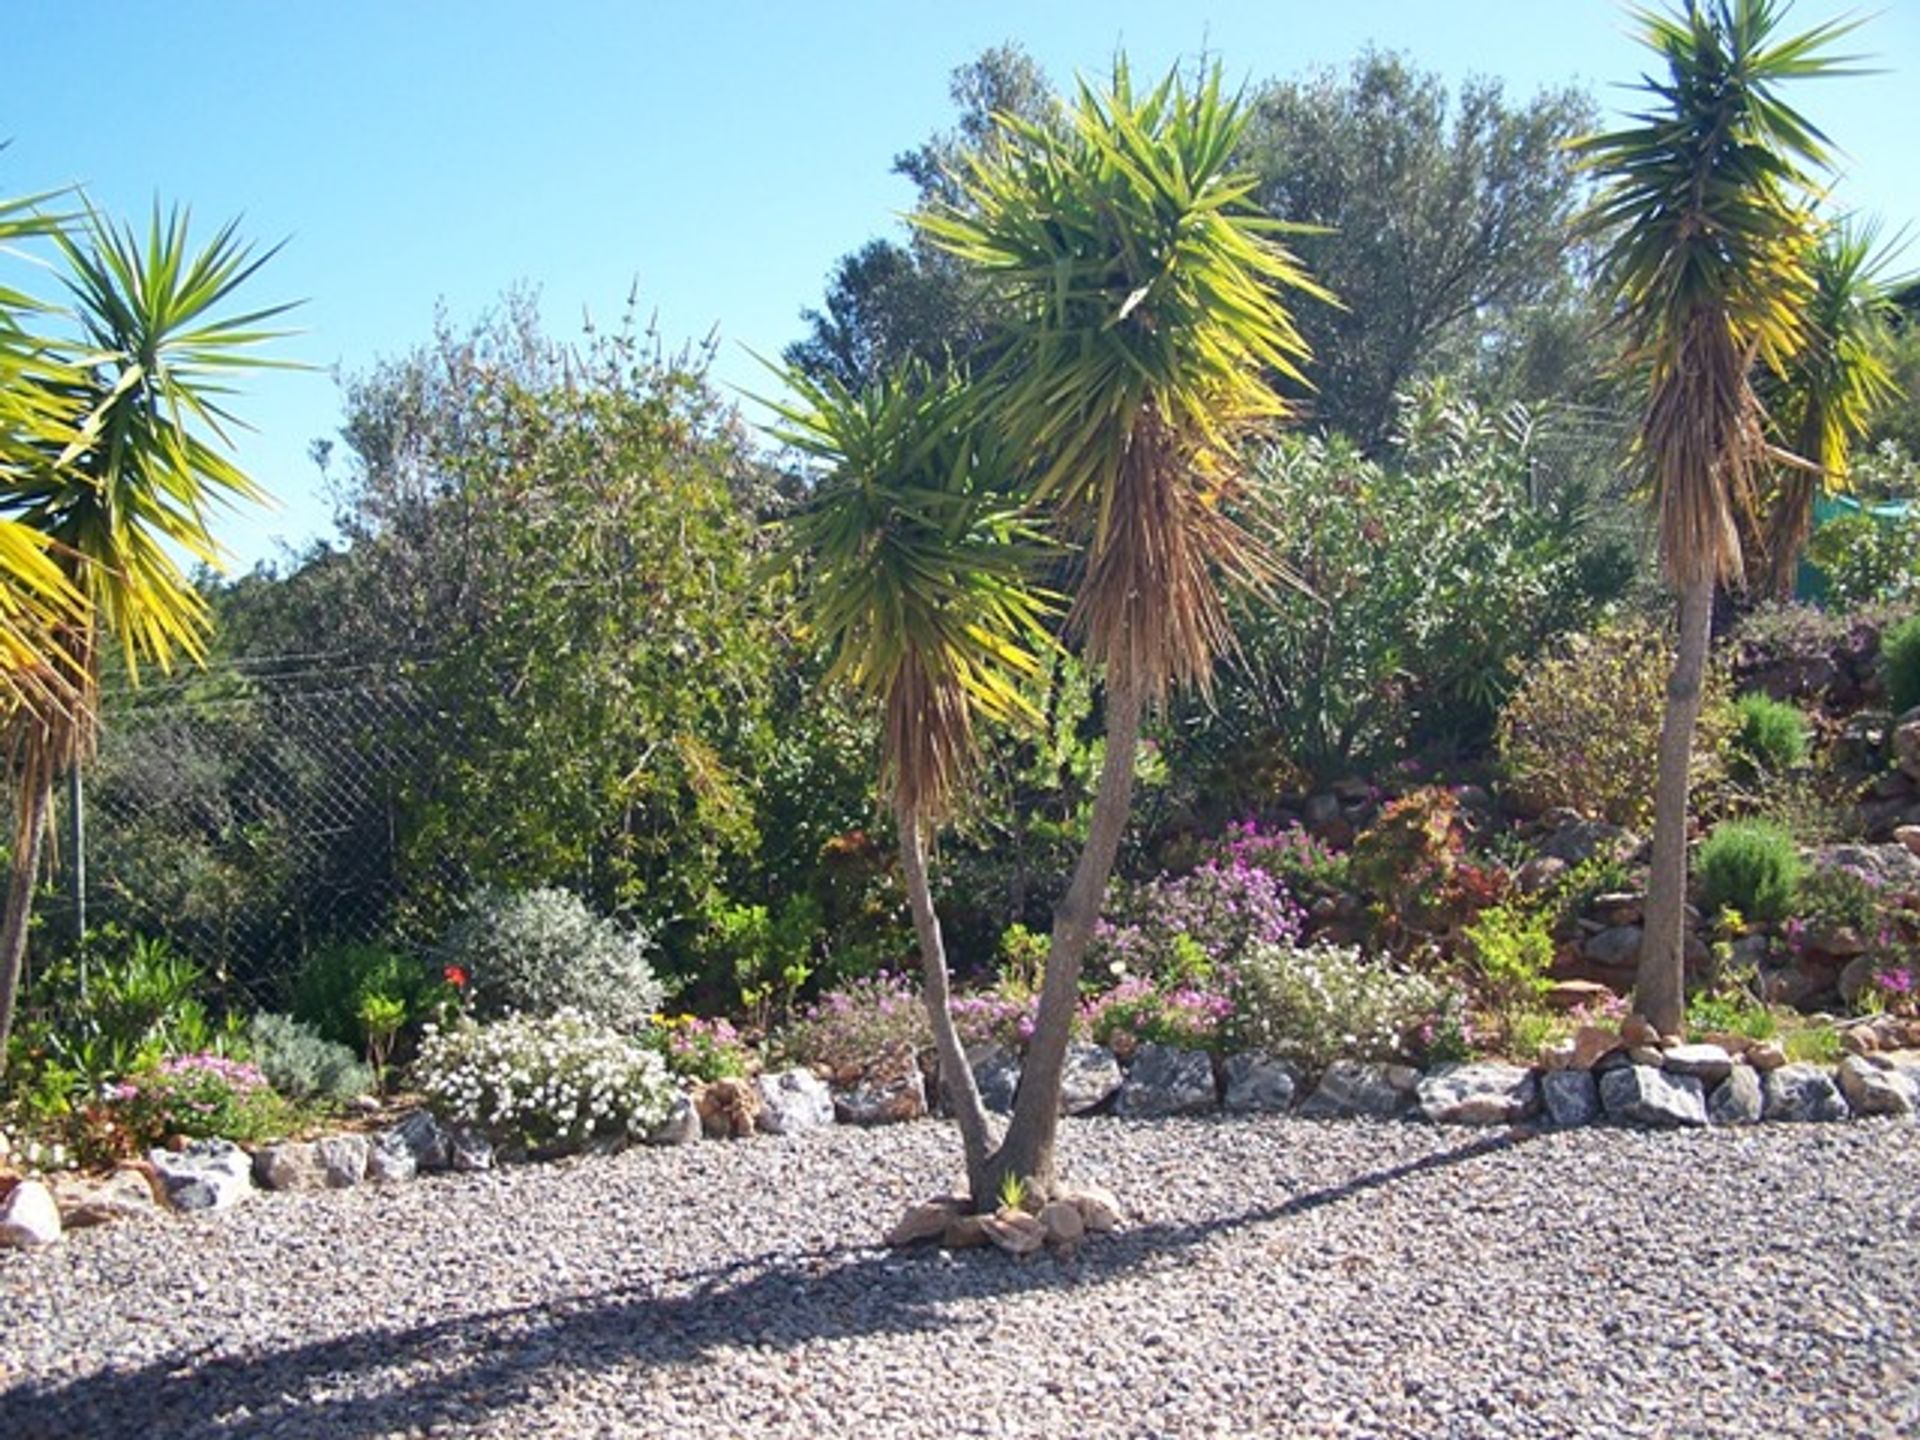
1729	1010
1583	728
199	1096
1184	926
333	985
1770	737
1834	896
117	1003
849	1027
1900	663
1329	1002
549	1082
1511	950
1413	858
301	1063
1867	558
1431	573
543	951
766	955
704	1050
1751	866
1136	1012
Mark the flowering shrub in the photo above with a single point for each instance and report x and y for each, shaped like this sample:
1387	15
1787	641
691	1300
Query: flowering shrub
1186	926
1289	854
1329	1002
1002	1016
705	1050
543	951
852	1025
1895	989
199	1096
1188	1017
551	1082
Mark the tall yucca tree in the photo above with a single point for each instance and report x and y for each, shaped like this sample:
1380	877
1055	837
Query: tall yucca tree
1824	399
1704	214
135	494
916	553
1149	323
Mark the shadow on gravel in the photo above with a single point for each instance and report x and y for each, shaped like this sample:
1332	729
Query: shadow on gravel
457	1371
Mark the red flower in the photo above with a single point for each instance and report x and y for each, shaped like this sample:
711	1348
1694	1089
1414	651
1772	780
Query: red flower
456	976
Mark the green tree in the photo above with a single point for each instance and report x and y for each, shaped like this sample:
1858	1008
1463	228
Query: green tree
1704	213
1821	404
915	556
1448	233
123	504
1143	292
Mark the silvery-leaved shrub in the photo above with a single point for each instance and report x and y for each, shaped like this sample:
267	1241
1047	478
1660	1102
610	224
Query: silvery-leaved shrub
302	1064
549	1082
1323	1002
543	951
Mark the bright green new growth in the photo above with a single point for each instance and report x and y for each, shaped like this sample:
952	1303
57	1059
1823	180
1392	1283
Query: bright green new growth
1751	866
1770	736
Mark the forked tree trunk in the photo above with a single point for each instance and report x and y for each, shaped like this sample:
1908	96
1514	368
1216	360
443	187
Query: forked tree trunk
955	1074
1660	987
29	843
1027	1150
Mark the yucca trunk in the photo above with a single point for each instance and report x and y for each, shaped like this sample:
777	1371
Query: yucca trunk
1027	1152
955	1074
1660	986
35	800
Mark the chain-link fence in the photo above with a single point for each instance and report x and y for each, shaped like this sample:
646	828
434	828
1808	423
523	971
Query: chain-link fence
248	813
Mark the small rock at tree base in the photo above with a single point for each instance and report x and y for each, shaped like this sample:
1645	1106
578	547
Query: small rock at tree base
343	1160
1572	1097
1014	1231
1737	1100
1481	1094
1099	1207
1638	1030
1804	1093
682	1125
207	1175
1871	1090
1063	1223
1708	1063
1165	1081
1360	1087
1766	1055
29	1218
1645	1095
1259	1084
793	1101
965	1232
926	1221
1091	1077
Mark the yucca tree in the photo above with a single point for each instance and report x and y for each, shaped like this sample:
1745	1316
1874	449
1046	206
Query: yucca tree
1826	396
916	556
1704	218
134	495
1148	325
36	599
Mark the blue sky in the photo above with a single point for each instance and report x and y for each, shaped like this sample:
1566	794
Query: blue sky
719	156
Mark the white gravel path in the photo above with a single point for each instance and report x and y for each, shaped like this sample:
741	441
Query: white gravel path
1284	1277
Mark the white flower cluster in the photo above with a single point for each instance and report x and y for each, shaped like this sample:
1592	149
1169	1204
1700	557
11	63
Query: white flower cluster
550	1081
1326	1002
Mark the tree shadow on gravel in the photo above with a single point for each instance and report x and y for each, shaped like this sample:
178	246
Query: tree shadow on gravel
457	1371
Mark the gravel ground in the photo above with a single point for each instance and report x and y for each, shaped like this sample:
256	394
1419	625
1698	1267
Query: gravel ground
1282	1277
